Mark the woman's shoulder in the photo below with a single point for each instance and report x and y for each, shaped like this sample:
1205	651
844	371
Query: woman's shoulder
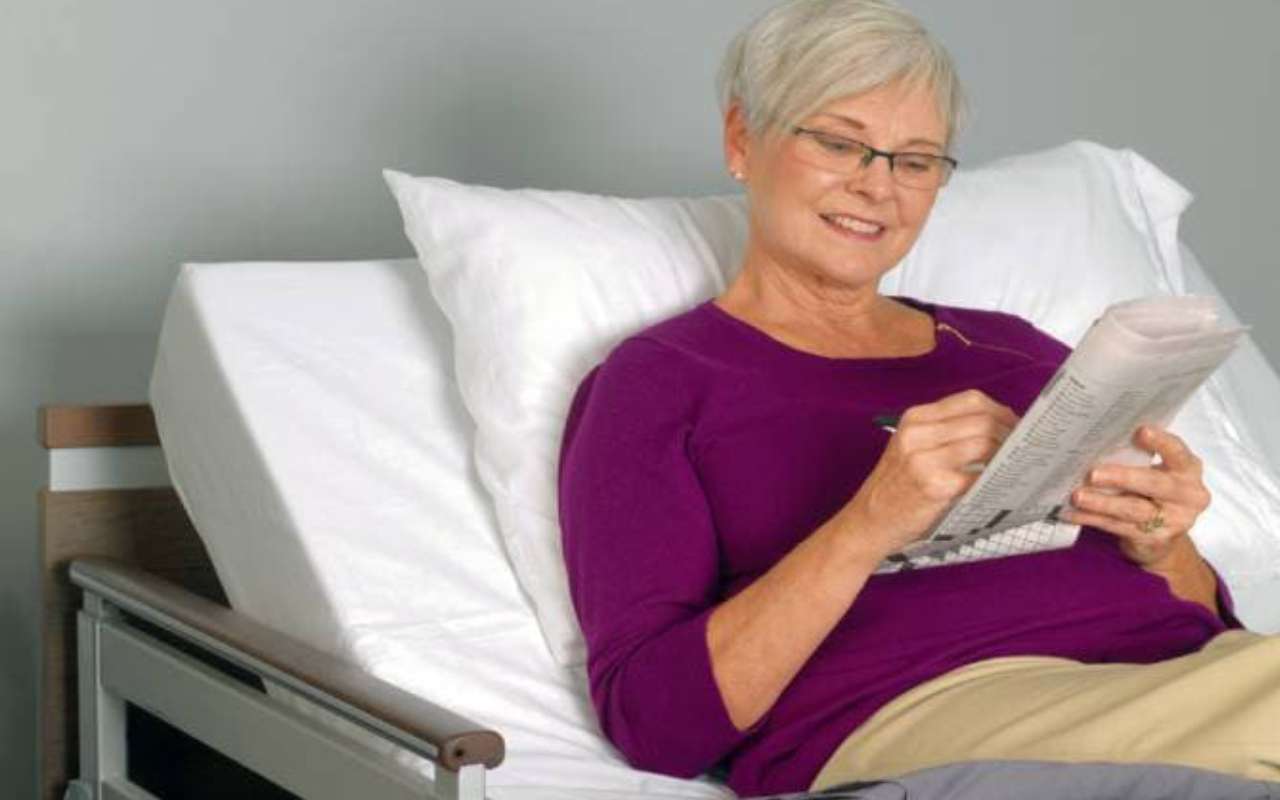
662	364
647	388
680	344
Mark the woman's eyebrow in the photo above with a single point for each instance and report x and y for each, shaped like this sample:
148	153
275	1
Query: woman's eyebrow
860	126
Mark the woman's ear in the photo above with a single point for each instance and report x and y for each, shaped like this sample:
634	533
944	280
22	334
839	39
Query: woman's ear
737	141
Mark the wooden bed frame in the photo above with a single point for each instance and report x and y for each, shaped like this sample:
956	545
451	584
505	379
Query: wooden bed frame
145	580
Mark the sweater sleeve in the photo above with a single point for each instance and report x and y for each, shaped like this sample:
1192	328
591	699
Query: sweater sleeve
1226	603
643	561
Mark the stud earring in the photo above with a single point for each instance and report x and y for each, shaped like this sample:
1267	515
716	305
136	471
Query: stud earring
737	176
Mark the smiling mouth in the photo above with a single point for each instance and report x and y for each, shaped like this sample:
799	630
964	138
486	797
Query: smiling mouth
853	226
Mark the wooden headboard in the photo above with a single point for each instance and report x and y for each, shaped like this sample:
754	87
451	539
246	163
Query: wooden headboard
143	524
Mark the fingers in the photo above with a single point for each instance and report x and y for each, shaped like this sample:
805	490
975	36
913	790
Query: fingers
1143	547
943	473
1127	508
1125	529
942	441
914	436
1173	451
1148	529
1175	482
1147	481
970	401
1168	488
965	415
1125	501
923	468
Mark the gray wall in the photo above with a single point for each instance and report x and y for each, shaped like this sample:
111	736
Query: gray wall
140	133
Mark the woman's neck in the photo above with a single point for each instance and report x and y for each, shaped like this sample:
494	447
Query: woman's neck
832	321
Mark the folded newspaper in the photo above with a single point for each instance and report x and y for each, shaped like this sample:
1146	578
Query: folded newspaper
1136	365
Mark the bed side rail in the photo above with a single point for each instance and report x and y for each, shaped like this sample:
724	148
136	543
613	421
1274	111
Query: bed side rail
119	662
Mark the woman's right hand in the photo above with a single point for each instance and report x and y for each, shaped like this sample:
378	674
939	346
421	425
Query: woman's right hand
926	466
761	637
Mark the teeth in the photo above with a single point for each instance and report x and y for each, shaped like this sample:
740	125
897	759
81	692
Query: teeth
855	225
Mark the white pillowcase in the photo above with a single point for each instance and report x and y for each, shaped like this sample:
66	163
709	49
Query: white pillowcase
539	285
1054	237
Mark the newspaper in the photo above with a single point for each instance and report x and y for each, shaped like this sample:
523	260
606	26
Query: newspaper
1136	365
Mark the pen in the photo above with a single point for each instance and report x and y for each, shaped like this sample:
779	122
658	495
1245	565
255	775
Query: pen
889	424
886	422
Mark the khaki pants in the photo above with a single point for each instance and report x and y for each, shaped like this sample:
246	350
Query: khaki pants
1218	709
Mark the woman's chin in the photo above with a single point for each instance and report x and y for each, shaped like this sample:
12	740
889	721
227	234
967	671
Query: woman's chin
852	275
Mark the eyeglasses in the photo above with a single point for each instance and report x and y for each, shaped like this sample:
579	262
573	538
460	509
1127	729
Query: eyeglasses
834	153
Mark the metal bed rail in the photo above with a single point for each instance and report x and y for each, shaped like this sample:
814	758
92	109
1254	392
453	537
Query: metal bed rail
121	662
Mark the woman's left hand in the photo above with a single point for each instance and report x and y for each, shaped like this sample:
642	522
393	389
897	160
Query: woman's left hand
1155	506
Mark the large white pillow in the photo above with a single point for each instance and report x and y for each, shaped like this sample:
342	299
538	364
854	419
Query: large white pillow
539	285
1053	236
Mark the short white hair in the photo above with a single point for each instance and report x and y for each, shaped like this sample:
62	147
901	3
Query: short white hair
804	54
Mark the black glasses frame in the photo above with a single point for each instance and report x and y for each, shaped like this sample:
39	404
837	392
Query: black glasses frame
871	153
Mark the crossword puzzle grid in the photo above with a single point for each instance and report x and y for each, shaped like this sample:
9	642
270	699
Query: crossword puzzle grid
1030	538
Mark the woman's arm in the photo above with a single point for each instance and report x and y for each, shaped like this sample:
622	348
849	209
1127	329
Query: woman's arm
760	638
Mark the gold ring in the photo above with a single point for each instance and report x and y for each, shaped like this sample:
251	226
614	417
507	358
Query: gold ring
1156	522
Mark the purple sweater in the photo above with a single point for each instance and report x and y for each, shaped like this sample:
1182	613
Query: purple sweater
702	450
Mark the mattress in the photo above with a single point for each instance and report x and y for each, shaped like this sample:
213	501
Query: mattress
314	433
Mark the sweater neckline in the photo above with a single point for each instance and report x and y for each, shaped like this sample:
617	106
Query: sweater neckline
946	340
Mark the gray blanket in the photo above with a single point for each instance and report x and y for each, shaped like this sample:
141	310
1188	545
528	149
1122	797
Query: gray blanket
1043	780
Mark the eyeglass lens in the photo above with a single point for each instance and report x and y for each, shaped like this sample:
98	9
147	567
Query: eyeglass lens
838	154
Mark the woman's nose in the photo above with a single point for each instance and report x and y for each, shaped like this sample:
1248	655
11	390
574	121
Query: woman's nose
874	179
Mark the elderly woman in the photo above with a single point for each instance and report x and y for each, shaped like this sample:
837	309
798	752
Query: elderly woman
726	494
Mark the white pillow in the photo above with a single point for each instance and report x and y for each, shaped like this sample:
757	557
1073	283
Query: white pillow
1053	236
539	285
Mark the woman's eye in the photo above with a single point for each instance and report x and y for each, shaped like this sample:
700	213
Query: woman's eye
916	164
836	146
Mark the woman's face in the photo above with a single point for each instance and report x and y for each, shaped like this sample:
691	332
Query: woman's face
839	228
